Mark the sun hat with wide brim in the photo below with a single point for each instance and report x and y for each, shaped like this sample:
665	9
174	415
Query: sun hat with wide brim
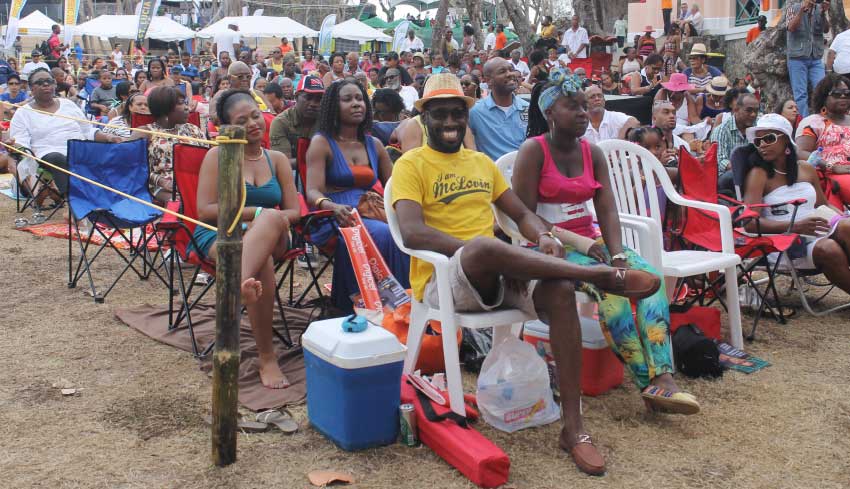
772	122
678	83
719	86
442	86
649	28
698	49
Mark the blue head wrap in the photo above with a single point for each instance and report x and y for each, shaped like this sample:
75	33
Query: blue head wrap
562	84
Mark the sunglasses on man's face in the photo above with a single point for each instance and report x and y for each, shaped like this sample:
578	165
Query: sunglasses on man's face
766	140
840	93
44	82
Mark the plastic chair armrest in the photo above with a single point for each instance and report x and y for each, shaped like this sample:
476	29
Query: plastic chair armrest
648	232
723	215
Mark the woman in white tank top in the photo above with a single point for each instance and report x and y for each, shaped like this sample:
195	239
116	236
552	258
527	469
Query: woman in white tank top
777	178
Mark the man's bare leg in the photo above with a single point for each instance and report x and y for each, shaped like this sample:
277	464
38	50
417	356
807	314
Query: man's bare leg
554	298
482	257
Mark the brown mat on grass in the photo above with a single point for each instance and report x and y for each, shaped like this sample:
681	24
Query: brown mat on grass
153	322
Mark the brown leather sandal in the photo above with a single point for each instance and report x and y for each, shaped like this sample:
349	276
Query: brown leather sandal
634	284
586	456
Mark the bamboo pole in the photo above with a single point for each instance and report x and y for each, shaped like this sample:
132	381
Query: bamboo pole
227	319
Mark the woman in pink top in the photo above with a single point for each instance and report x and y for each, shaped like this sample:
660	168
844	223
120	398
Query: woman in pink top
557	174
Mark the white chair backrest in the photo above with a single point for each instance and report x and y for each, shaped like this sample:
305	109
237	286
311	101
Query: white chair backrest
626	163
392	218
505	164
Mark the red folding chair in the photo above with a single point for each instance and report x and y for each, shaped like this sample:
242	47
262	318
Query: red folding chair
699	182
139	120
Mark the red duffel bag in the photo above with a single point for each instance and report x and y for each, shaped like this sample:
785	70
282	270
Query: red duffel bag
467	450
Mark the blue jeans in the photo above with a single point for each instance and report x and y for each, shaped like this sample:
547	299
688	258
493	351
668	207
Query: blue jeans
802	72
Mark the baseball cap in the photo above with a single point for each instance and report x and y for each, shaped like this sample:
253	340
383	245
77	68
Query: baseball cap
310	84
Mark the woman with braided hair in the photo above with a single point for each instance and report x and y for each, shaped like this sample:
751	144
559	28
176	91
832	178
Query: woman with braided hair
344	162
556	174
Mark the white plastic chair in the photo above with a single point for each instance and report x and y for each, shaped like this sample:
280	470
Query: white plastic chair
626	163
420	313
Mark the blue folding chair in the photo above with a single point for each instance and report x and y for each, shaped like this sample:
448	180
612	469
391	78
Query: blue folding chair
113	218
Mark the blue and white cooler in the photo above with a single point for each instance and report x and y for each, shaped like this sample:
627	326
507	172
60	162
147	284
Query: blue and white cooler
353	383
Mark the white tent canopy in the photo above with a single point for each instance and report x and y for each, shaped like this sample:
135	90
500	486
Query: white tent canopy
354	30
124	27
36	24
260	26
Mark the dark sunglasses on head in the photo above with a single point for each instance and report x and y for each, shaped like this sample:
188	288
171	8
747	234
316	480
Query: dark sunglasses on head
840	93
766	140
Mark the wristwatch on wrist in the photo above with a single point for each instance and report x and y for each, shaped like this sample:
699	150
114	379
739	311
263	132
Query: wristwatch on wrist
551	235
619	256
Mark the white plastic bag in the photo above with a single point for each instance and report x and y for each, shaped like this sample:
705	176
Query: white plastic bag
513	387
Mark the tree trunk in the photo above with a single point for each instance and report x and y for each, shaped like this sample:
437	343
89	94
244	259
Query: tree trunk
837	19
389	11
473	9
438	25
765	57
516	13
598	16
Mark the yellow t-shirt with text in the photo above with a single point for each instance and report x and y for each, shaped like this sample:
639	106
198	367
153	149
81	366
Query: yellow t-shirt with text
455	192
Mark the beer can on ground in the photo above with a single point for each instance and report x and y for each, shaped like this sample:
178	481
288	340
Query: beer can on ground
407	420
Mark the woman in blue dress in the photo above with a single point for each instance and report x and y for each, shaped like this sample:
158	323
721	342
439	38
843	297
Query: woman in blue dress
343	163
271	203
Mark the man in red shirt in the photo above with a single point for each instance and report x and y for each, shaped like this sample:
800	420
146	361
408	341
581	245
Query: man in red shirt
501	38
756	31
56	46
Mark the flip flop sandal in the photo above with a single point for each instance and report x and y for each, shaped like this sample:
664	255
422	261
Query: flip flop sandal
666	401
38	218
244	425
280	418
21	222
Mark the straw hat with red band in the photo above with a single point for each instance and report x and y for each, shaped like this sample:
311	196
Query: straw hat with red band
442	86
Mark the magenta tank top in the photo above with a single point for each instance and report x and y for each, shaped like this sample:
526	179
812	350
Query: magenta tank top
563	200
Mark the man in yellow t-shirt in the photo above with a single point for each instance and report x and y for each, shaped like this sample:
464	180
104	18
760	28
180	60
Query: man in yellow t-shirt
442	195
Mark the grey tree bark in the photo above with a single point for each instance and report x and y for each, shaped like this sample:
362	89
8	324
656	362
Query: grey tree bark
598	16
438	25
521	25
473	9
765	57
389	11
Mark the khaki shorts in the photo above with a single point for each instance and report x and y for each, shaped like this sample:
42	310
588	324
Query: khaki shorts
467	299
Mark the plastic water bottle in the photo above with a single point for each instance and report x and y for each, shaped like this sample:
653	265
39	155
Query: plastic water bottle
816	158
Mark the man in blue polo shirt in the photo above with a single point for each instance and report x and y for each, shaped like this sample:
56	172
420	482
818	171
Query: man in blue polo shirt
188	71
499	121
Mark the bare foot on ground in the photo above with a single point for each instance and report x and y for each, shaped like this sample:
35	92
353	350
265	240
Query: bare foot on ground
251	291
272	377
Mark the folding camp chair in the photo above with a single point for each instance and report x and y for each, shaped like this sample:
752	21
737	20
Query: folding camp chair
800	278
114	219
34	183
698	228
303	237
178	235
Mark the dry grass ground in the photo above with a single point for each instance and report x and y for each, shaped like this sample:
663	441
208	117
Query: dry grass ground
136	421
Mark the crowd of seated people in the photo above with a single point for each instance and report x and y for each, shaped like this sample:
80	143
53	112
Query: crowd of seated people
411	117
